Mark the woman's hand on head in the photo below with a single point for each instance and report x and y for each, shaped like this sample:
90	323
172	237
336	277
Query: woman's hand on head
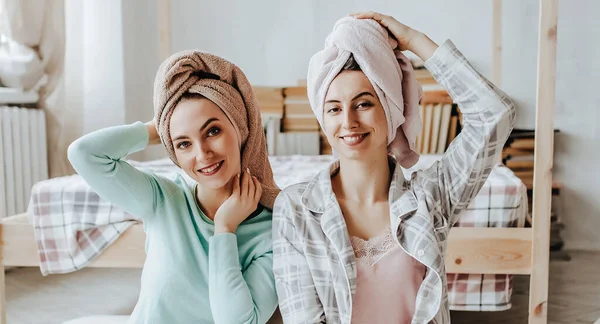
153	137
242	202
408	38
401	32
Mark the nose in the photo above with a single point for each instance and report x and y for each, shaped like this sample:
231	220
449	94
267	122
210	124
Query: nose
349	118
204	152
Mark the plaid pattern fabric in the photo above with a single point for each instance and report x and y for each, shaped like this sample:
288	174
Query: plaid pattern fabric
73	225
498	204
501	202
314	263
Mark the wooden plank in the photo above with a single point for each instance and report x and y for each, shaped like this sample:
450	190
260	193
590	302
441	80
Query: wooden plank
20	247
163	17
497	45
127	252
489	250
497	42
542	178
480	250
18	242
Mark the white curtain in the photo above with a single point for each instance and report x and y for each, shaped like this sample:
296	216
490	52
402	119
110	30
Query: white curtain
40	25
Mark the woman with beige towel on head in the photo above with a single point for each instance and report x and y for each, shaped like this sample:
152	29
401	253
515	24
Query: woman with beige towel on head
359	243
209	252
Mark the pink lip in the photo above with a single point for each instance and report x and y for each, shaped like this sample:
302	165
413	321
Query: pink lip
213	171
352	134
358	142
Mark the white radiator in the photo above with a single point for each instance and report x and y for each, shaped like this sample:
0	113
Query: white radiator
23	154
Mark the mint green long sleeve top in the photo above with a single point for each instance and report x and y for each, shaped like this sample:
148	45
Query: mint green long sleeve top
190	274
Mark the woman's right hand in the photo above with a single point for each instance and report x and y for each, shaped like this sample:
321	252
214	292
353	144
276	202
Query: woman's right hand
153	137
408	38
242	202
403	34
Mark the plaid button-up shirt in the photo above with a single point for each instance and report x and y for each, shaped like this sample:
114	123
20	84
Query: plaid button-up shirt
314	263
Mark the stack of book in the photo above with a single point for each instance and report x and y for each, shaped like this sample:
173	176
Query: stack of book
290	143
270	102
441	118
289	124
518	155
298	116
440	127
324	144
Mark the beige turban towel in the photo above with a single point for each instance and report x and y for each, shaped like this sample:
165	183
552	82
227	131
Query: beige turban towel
225	84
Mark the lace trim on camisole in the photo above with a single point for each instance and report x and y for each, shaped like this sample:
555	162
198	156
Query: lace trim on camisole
371	250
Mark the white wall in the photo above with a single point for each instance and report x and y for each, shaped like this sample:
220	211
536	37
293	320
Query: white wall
272	42
577	146
577	116
111	60
101	64
141	60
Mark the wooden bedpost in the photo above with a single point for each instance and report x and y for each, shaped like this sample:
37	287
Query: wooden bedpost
542	176
497	46
497	42
163	17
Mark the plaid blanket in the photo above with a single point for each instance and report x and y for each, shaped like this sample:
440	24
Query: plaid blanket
73	225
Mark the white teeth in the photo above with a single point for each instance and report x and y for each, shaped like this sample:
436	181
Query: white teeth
353	139
211	169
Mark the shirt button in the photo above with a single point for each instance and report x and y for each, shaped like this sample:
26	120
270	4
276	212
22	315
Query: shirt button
420	253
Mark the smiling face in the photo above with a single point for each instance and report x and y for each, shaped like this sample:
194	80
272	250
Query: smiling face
205	142
353	118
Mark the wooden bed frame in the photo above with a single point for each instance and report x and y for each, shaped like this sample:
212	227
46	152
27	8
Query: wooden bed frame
470	250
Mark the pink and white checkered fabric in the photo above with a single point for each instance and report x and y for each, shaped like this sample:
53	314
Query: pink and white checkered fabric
502	202
73	225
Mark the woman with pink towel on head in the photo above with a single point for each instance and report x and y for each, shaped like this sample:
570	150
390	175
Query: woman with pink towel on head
359	243
209	251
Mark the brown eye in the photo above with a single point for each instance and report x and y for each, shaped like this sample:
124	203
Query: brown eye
183	145
333	110
214	131
365	104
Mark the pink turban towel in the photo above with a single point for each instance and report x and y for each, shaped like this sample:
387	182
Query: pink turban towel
389	71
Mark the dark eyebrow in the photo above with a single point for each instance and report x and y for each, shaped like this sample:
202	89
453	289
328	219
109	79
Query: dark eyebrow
206	123
364	93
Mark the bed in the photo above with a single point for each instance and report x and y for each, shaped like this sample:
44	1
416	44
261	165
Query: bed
69	227
480	251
